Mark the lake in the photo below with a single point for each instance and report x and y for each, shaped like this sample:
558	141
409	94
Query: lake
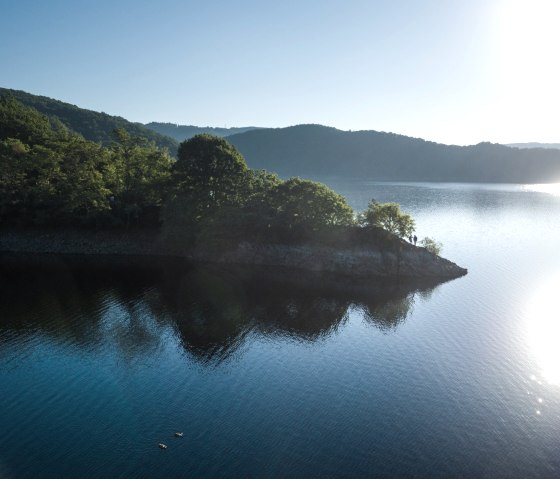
100	364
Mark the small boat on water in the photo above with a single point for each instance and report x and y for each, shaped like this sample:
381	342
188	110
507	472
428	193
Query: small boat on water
162	446
178	434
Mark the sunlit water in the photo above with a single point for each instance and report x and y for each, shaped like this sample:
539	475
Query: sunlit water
98	366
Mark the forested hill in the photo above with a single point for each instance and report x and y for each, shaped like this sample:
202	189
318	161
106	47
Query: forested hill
316	151
184	132
535	145
92	125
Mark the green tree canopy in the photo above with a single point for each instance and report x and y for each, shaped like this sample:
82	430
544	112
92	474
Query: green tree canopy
217	196
290	210
50	175
432	245
209	179
298	203
94	126
138	178
389	217
23	123
211	168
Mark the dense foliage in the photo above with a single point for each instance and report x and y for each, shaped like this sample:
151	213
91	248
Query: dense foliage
389	217
297	204
213	169
92	125
50	175
216	197
431	245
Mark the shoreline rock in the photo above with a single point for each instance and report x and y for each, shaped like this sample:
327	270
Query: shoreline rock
404	261
355	262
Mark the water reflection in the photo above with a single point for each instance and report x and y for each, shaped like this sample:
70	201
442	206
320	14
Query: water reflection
135	310
543	328
387	315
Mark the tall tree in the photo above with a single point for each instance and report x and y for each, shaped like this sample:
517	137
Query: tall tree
389	217
211	167
209	178
138	177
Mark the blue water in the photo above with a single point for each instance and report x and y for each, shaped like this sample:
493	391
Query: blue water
99	365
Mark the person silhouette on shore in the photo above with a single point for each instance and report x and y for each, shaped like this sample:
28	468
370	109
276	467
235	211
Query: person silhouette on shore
415	240
410	238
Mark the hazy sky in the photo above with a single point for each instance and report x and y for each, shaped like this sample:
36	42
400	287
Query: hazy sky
452	71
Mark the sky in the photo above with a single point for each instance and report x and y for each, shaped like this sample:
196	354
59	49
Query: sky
450	71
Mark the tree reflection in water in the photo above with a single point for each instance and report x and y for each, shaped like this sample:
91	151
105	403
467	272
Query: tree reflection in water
211	312
388	313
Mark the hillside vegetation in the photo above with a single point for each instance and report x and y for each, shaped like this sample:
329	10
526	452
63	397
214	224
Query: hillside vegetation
317	151
51	176
208	205
92	125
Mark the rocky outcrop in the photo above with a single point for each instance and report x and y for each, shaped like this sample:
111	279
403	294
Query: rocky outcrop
401	260
406	261
79	242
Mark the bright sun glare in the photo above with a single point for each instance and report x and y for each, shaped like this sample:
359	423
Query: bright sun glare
527	71
551	188
543	322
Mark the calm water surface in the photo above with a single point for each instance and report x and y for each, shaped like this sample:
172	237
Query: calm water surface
99	365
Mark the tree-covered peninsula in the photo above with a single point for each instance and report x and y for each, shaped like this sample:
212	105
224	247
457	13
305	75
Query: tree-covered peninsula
205	205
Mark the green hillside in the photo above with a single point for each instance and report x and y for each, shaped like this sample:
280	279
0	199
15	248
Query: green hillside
52	176
316	151
92	125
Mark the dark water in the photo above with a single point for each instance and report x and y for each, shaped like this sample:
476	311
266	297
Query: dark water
266	379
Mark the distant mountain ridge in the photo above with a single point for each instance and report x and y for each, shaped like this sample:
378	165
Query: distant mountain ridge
92	125
553	146
184	132
316	151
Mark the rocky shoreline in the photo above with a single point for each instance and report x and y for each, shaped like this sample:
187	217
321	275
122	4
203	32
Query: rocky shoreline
405	261
408	262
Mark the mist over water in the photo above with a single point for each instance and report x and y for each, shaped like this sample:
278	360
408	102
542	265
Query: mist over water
99	365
